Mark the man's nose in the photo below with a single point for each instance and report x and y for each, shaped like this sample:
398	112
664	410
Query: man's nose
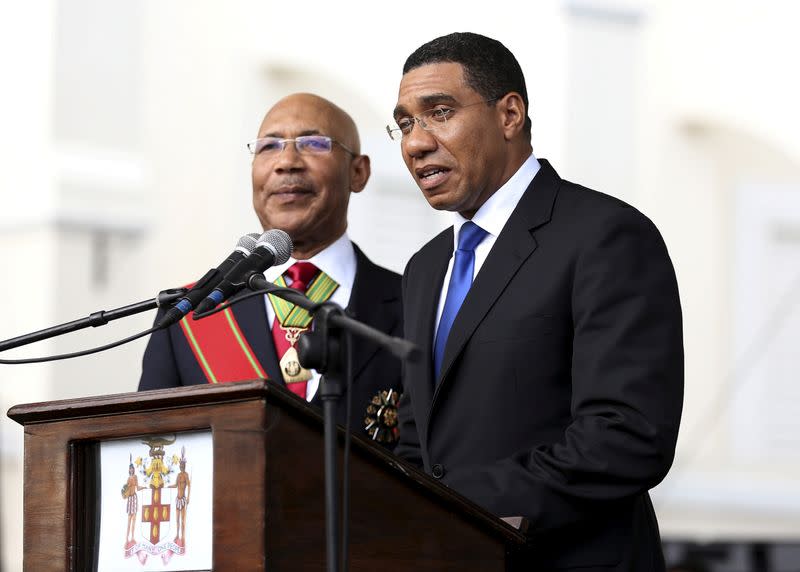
289	158
418	141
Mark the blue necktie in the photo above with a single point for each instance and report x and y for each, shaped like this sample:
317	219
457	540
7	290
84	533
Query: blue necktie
469	237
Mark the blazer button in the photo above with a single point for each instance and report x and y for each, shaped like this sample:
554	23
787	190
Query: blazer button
437	471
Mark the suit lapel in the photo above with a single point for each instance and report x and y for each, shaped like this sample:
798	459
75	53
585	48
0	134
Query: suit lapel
367	304
511	249
424	298
251	315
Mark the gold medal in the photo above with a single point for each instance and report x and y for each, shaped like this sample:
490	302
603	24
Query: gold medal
294	320
291	369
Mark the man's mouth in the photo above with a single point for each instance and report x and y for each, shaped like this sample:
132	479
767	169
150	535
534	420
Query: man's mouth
432	176
291	191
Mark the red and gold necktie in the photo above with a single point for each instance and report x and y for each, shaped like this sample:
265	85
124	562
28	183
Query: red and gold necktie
291	321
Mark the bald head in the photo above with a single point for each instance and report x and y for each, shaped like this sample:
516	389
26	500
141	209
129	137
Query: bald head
317	110
303	192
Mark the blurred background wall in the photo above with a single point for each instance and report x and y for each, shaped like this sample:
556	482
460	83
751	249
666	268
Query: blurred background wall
123	172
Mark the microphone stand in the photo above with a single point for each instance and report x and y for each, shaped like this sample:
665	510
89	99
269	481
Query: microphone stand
95	319
324	350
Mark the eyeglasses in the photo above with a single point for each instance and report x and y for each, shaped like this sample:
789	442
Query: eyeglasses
429	120
306	144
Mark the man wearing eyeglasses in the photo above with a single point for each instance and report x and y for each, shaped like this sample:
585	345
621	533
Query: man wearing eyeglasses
549	318
307	161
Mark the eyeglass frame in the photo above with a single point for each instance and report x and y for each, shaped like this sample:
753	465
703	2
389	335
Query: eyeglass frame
419	119
283	141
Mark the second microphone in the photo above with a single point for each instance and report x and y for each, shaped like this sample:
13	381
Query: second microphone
273	247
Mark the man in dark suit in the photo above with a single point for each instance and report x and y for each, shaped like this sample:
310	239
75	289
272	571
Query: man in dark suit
306	162
552	374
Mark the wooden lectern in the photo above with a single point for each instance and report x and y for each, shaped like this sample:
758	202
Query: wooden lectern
269	511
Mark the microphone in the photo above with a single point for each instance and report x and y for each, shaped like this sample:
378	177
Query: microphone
273	247
211	278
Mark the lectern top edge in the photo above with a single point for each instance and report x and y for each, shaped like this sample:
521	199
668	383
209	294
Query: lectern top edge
124	402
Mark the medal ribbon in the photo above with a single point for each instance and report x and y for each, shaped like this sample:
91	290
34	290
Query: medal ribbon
289	315
291	321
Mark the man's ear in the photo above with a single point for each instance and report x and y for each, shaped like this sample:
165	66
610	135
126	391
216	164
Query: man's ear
359	173
512	113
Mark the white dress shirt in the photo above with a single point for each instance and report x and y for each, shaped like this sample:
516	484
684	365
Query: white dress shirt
491	217
337	261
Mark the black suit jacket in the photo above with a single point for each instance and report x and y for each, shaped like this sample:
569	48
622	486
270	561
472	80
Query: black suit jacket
561	388
375	300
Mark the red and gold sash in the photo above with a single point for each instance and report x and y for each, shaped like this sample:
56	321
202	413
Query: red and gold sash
220	348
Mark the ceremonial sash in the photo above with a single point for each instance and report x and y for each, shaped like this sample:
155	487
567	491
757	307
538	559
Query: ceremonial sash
220	348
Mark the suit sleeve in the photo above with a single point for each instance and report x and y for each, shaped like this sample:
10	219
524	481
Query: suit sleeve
408	445
159	368
626	383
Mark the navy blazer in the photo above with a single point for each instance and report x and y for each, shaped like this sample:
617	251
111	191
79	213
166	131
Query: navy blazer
561	387
375	300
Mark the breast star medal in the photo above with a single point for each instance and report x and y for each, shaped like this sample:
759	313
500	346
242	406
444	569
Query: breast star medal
380	422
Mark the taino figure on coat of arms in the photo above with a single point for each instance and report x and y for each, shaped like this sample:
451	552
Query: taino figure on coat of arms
129	490
184	485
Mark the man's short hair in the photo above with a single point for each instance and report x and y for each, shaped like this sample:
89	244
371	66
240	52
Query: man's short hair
489	67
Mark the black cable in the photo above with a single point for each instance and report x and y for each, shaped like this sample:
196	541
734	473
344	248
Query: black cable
348	339
232	301
126	340
237	299
349	405
349	381
78	354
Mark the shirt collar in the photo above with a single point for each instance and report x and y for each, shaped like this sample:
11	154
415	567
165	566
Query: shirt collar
337	261
494	213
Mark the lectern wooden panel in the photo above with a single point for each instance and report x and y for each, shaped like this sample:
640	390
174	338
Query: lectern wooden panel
269	513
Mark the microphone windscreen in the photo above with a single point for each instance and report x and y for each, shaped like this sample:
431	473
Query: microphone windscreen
248	242
279	243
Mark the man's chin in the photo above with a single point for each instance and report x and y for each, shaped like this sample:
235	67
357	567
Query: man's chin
288	225
442	202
